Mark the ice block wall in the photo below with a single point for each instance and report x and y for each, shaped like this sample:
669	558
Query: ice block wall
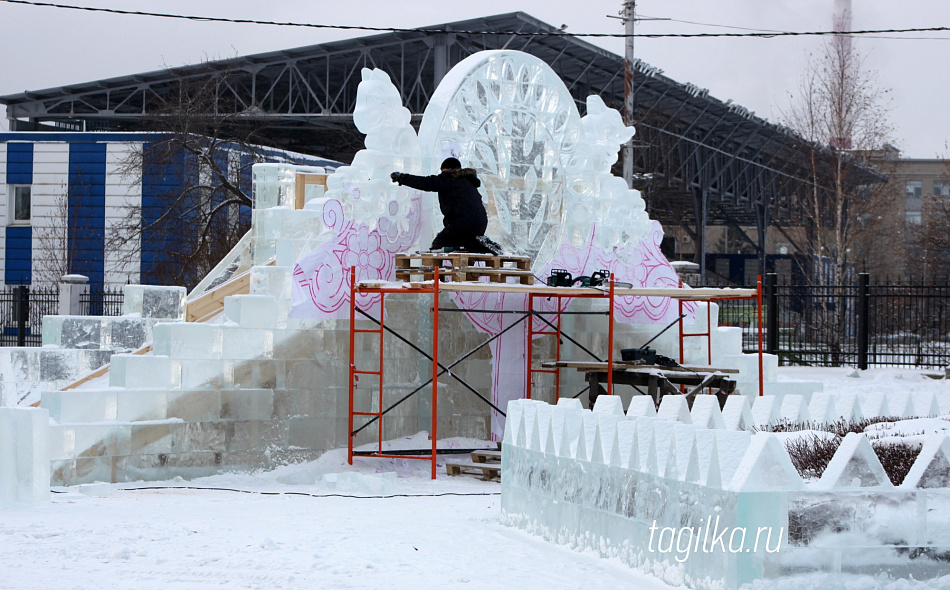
24	456
657	489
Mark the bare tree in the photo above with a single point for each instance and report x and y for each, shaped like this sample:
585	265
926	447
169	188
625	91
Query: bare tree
196	175
930	239
841	113
847	205
53	256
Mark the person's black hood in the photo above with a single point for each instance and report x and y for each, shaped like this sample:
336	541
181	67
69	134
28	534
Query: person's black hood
468	174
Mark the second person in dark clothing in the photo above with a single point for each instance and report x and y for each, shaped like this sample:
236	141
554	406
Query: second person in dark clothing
465	219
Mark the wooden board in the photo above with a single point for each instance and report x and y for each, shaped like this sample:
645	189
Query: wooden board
487	471
101	371
300	187
703	294
427	273
593	366
497	275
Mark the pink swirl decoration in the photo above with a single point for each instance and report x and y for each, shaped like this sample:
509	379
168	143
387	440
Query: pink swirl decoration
321	285
651	269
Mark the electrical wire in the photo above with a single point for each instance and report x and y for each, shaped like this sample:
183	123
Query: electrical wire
763	35
306	494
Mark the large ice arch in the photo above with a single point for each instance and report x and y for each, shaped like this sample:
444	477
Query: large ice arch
546	184
545	170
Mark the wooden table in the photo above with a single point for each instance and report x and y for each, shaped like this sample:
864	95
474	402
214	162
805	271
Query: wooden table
659	380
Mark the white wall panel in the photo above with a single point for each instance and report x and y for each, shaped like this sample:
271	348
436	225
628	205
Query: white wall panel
50	185
122	192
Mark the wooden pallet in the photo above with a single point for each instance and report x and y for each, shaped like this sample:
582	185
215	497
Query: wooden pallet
486	456
487	471
497	275
463	266
462	259
427	273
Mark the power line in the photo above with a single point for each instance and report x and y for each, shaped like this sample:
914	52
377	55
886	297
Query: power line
763	35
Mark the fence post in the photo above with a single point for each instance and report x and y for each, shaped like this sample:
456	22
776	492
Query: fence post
70	289
771	307
864	309
22	313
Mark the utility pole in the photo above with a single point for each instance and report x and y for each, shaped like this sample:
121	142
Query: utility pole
629	20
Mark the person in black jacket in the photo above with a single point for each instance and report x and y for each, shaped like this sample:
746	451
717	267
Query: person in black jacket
465	218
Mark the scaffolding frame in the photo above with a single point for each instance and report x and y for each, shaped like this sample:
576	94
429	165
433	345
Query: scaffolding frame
435	287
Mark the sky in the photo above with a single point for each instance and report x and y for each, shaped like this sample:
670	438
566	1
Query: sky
43	47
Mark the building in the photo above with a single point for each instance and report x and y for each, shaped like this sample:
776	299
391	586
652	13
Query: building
923	190
66	192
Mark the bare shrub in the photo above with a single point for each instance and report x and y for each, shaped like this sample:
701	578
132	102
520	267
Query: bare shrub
897	458
811	454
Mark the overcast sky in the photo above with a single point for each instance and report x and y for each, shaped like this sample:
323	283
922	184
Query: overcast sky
48	47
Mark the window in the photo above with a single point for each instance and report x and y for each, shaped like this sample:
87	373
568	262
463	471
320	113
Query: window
20	197
912	217
914	188
942	188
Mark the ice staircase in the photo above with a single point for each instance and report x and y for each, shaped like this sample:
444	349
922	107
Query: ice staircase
240	386
227	380
74	346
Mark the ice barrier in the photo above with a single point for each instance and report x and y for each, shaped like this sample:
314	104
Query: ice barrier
24	456
716	508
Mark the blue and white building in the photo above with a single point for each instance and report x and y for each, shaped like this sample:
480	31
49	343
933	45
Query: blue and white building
65	191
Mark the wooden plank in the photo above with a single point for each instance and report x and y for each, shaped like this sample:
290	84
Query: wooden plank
704	294
497	275
301	184
101	371
592	366
213	300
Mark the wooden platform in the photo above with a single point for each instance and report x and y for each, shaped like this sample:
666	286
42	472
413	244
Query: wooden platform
464	267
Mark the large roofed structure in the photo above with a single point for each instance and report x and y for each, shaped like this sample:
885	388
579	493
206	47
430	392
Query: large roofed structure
700	161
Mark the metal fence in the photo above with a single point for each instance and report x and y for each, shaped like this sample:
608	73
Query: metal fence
22	308
103	302
862	325
21	313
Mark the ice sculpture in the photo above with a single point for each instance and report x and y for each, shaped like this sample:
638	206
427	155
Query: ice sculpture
546	182
370	218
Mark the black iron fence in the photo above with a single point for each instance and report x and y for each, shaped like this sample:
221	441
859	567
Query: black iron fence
863	325
22	308
103	302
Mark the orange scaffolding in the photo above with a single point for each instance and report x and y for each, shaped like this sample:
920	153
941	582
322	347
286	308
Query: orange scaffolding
435	287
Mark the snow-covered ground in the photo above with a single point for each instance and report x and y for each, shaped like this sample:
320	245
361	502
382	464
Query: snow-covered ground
293	528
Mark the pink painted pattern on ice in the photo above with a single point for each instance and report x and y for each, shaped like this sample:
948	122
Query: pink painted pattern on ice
321	286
